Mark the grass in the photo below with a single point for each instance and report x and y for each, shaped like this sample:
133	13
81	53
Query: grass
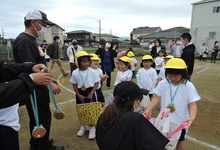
205	128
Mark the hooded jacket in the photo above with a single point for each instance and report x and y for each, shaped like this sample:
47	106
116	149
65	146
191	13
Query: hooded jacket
188	56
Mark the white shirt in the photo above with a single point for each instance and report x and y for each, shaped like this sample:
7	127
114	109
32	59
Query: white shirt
99	73
158	61
70	50
78	76
123	76
147	78
9	117
186	94
134	61
162	73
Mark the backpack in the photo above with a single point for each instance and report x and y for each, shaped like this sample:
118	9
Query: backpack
50	49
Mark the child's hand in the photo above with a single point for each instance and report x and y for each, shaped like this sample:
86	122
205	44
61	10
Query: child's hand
81	97
190	120
89	96
160	65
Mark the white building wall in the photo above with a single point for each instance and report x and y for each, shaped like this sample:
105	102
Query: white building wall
205	21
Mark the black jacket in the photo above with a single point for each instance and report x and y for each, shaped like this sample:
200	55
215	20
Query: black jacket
188	57
55	51
19	85
101	53
154	51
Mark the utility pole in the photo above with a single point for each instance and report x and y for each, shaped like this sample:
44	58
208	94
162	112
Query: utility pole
99	30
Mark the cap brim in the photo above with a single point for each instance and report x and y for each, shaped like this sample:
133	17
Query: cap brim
48	22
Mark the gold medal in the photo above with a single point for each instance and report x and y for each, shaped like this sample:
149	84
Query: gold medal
83	88
172	108
39	132
59	114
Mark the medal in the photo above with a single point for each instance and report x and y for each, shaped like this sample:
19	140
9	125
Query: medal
83	88
59	114
38	132
172	108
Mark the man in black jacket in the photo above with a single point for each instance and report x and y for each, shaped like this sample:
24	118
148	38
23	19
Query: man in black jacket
188	53
15	85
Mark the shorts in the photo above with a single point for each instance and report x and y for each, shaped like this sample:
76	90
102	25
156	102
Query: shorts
47	60
151	95
182	135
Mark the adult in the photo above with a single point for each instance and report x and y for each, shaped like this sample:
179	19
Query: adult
215	50
20	85
107	55
203	49
26	50
150	46
173	43
54	58
44	48
119	127
177	49
188	53
155	49
71	53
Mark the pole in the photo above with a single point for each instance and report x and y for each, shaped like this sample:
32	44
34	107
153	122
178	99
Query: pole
99	30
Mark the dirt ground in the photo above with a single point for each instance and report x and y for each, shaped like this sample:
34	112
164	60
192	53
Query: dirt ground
205	128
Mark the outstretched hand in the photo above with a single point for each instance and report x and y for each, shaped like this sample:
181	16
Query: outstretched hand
37	68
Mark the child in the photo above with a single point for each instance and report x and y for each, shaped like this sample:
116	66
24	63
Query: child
95	60
162	70
178	94
147	76
85	82
124	71
159	61
131	55
204	56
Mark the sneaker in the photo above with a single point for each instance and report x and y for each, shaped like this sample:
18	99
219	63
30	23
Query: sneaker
108	87
91	133
82	130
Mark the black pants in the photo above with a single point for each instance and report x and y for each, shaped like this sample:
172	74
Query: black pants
72	67
213	56
200	57
43	101
8	138
108	82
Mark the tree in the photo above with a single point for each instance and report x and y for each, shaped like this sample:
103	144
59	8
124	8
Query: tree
102	41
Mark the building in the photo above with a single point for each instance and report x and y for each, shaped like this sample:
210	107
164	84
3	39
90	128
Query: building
107	37
166	36
51	32
205	24
142	31
83	37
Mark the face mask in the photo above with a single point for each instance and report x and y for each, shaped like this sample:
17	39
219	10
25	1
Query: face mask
179	42
157	44
41	31
139	107
74	43
107	45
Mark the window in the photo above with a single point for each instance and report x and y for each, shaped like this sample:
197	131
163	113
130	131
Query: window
216	9
87	37
212	34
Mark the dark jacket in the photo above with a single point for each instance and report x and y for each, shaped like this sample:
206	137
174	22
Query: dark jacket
101	53
19	85
188	57
55	51
154	51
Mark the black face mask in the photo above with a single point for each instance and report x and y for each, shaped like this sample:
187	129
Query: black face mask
74	44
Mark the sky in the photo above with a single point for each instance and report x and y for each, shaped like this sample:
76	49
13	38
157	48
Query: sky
118	17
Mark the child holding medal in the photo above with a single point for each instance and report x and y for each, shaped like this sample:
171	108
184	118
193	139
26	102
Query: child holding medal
85	82
178	94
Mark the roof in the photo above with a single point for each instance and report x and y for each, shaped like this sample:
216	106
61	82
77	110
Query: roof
105	35
59	27
144	30
204	1
171	33
78	31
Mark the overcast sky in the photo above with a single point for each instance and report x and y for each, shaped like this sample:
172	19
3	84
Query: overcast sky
119	16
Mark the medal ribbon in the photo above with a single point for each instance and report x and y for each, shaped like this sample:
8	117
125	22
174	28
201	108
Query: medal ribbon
53	98
172	97
85	78
35	109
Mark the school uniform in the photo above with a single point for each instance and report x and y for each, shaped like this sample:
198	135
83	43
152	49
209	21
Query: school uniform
162	73
123	76
99	89
146	79
158	61
86	78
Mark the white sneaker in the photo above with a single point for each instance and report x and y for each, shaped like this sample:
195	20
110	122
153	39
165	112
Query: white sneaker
82	130
92	133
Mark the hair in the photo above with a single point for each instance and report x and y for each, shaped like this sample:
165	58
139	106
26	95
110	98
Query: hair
83	58
181	72
27	23
130	49
159	41
216	42
56	37
146	60
119	106
126	64
186	36
44	41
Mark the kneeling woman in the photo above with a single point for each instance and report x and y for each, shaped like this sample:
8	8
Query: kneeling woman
120	128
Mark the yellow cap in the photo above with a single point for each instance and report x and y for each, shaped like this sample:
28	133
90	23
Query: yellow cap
126	59
95	57
81	54
176	63
147	57
130	54
169	57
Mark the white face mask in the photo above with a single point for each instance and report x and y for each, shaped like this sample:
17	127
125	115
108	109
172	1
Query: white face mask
157	44
107	45
41	31
179	42
139	107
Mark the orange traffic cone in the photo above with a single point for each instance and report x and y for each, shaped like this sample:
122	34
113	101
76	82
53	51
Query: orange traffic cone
63	81
196	65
